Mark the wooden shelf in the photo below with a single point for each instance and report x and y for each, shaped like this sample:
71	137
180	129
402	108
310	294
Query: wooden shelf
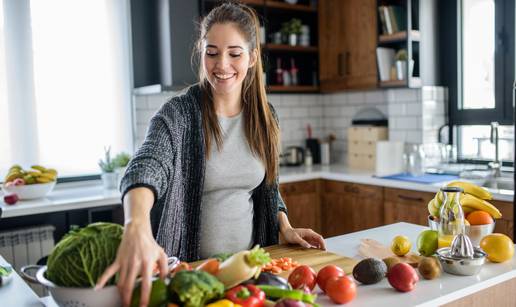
289	48
292	7
399	37
414	83
293	89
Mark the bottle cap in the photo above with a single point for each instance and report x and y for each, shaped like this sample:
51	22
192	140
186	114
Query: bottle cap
452	189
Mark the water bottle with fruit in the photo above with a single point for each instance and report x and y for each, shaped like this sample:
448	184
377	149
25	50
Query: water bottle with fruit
451	221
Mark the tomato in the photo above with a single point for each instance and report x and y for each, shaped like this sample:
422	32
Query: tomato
302	276
341	290
326	273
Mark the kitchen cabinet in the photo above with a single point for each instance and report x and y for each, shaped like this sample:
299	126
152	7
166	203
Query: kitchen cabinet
348	207
406	206
347	44
506	223
303	203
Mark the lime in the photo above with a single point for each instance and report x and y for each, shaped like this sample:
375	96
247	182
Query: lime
427	242
400	245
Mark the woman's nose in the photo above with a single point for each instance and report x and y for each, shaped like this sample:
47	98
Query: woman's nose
222	62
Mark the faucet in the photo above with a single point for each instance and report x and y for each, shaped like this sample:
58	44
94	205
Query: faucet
496	164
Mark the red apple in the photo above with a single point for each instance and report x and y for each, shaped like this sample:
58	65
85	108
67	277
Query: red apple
11	199
402	277
19	181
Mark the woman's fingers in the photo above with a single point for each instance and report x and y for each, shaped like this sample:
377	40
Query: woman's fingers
108	273
316	239
146	283
163	265
127	284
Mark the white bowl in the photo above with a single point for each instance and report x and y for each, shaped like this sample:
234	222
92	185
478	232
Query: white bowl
474	232
30	191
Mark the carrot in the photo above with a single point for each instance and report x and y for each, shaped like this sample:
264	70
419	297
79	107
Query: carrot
210	266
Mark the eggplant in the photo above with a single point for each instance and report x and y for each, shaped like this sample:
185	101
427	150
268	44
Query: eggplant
269	279
289	303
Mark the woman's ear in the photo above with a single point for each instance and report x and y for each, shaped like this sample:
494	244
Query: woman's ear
253	58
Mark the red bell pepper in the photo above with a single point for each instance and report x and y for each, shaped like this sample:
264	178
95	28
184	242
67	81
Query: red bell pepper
246	296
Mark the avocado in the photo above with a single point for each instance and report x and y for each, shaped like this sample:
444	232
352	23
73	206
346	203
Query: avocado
370	271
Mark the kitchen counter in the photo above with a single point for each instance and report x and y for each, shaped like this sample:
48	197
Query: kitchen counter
448	288
74	196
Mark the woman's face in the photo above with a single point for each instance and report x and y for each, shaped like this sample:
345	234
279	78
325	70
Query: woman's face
226	58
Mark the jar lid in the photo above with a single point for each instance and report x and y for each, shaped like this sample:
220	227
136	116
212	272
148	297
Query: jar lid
452	189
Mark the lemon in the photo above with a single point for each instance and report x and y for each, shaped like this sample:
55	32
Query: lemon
400	245
499	247
427	242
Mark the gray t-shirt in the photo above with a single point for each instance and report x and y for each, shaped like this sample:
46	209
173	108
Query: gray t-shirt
230	178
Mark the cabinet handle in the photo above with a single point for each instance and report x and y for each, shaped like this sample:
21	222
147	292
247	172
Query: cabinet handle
348	62
340	64
410	198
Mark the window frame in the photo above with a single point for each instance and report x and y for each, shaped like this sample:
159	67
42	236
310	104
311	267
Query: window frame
452	70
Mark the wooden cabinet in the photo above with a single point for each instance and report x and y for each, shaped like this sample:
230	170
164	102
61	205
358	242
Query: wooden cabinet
348	207
406	206
506	223
303	203
347	44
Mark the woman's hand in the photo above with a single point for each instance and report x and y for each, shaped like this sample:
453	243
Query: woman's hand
137	254
304	237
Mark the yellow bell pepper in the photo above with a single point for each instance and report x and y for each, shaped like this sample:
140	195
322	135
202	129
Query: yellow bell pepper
223	303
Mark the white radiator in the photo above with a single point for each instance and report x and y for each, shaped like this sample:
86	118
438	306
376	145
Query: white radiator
26	246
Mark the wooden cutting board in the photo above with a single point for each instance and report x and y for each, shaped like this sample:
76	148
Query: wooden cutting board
370	248
314	258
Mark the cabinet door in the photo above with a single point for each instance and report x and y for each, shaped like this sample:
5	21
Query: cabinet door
406	206
303	204
368	206
505	225
347	44
337	214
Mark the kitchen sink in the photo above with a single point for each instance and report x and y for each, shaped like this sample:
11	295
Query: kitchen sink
500	183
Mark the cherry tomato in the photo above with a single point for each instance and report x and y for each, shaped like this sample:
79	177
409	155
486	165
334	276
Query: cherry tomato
341	290
302	276
326	273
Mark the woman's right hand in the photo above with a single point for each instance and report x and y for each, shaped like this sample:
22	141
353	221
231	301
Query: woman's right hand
137	255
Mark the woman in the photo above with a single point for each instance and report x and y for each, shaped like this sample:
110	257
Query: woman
205	179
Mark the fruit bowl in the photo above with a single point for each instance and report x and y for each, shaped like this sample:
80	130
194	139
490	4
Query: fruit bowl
474	232
30	191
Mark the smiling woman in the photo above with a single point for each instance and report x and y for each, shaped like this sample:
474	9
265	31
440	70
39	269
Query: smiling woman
72	59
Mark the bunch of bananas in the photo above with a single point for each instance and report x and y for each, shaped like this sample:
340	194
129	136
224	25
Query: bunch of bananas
37	174
474	198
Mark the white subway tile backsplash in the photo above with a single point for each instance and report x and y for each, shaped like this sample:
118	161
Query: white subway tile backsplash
414	137
356	98
290	100
413	109
156	101
374	97
140	102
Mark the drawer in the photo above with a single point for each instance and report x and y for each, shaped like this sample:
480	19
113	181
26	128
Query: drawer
356	189
407	196
362	147
301	187
367	133
362	161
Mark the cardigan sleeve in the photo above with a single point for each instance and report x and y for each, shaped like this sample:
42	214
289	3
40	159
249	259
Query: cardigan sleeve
281	203
152	163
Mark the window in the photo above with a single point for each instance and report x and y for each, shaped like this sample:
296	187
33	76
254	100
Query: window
65	88
478	68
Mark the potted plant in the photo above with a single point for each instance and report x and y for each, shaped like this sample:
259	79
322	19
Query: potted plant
401	60
108	167
292	29
121	160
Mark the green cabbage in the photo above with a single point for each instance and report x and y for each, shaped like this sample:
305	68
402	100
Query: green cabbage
81	257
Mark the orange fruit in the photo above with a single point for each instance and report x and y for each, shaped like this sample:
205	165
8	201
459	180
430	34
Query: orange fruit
499	247
479	218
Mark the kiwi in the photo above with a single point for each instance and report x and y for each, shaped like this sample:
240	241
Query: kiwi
429	267
391	261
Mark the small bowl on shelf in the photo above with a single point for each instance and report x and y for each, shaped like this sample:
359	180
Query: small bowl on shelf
474	232
30	191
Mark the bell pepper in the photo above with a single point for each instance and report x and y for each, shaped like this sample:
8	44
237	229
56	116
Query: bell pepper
223	303
246	295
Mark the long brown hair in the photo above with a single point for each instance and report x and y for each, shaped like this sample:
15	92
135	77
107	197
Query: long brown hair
260	125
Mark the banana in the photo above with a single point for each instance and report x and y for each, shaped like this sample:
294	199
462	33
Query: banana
34	173
12	176
39	168
473	202
433	208
15	167
29	179
42	180
472	189
439	197
467	210
47	176
51	171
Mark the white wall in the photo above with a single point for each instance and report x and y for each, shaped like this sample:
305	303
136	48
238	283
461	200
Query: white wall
414	114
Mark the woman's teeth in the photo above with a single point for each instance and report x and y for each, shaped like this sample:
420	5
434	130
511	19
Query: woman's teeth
224	76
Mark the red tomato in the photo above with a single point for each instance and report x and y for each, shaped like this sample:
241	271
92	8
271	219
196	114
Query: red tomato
302	276
326	273
341	290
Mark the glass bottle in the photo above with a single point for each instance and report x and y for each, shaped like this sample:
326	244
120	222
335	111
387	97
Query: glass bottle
451	220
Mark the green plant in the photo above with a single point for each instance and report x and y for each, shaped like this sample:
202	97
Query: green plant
80	258
292	26
401	55
107	165
121	159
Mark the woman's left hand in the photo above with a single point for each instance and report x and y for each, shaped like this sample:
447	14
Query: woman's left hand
304	237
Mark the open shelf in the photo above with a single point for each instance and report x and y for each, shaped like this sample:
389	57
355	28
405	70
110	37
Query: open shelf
414	82
293	89
253	2
291	7
399	37
289	48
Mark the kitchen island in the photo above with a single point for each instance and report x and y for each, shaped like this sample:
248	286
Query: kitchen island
493	285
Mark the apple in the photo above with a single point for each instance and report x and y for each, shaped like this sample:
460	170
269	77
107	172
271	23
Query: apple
403	277
18	181
11	199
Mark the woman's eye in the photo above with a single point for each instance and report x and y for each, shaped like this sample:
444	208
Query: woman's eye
211	54
235	55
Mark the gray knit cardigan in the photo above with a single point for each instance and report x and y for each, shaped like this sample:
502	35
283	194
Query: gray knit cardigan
171	162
